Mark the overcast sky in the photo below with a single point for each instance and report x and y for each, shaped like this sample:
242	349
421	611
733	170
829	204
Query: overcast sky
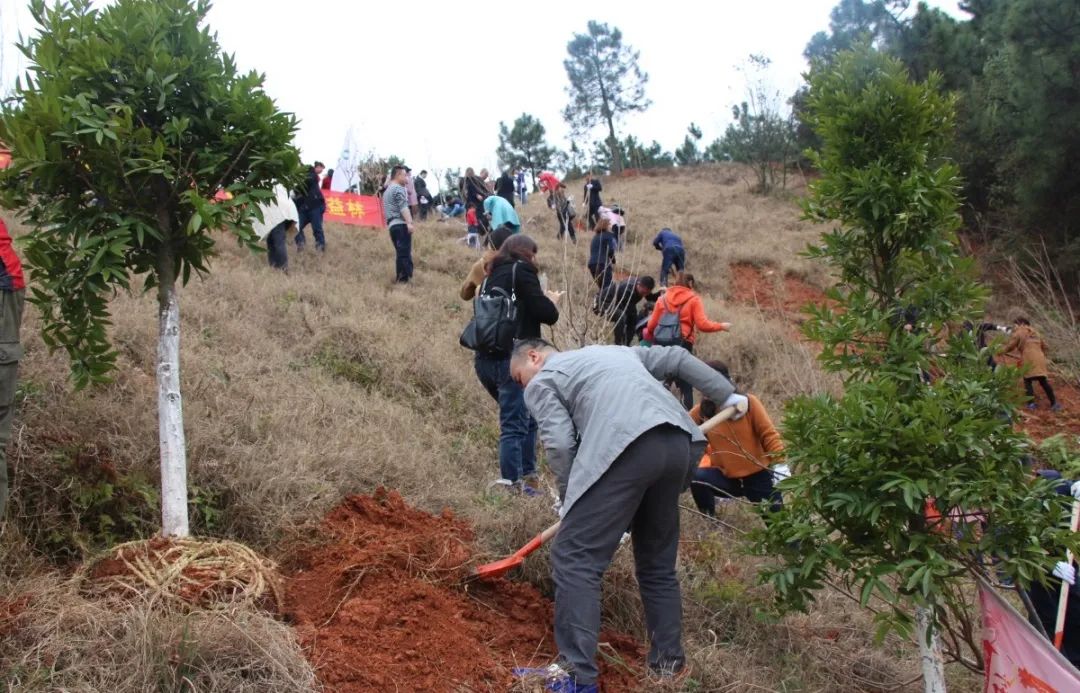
430	81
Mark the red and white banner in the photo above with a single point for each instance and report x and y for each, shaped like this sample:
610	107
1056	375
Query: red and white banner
357	210
1018	658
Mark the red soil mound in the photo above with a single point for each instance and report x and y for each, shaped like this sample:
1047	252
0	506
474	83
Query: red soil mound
379	604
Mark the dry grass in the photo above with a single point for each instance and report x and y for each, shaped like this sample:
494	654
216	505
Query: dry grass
71	644
301	389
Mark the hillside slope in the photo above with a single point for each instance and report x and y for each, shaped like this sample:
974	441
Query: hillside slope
302	389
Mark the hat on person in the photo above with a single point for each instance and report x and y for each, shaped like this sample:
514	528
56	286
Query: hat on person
497	237
318	164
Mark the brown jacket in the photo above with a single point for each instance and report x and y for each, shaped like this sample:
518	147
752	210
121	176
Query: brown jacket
1031	349
744	447
475	278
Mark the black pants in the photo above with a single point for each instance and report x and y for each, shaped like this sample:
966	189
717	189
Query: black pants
402	239
602	275
641	491
1029	388
625	325
686	388
594	216
277	251
710	482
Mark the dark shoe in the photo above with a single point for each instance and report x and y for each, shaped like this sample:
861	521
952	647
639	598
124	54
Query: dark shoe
1032	406
1056	407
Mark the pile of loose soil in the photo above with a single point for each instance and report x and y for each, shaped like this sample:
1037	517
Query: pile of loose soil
379	603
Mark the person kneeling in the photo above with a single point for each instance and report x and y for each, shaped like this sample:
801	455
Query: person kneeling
736	463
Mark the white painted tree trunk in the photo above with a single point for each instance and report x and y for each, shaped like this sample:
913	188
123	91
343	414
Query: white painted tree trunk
174	512
933	666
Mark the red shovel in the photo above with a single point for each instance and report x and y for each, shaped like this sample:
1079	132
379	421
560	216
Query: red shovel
503	566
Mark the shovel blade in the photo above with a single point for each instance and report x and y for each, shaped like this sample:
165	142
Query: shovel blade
490	571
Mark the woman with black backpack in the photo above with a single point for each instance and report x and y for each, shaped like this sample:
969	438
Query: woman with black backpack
677	318
512	271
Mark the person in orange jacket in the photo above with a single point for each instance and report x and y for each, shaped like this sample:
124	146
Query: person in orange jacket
1027	342
682	300
737	461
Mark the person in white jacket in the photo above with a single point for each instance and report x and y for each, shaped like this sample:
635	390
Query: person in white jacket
279	217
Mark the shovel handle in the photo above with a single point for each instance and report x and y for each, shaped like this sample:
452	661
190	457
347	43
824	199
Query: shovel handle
1063	597
720	418
538	541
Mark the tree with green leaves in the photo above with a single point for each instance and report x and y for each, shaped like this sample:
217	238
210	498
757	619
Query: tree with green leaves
877	23
524	146
689	154
911	481
128	123
760	136
606	83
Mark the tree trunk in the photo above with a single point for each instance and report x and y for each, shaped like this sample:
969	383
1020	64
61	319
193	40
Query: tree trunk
933	667
613	147
174	512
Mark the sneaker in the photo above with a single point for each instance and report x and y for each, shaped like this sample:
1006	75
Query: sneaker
1057	407
527	490
1032	406
501	486
555	678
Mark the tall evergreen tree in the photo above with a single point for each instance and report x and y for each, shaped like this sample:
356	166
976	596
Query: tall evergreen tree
523	145
606	83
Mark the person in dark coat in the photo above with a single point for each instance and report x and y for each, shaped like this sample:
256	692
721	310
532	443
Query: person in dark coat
602	254
620	304
592	198
423	195
310	206
513	269
474	190
504	187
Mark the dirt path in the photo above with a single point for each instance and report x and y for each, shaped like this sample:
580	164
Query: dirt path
378	603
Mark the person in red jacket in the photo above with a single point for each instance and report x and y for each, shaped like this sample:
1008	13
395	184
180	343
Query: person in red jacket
12	292
682	300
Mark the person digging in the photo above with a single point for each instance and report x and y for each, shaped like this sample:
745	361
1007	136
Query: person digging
612	476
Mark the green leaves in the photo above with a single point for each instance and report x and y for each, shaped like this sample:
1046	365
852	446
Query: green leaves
130	122
911	481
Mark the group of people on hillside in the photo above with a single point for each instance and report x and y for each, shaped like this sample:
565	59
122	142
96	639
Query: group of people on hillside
613	477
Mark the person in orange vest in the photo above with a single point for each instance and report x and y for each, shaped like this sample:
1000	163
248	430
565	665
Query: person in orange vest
739	456
1032	350
12	293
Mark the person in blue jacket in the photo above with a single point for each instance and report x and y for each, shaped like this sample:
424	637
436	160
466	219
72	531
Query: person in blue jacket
602	254
674	255
502	213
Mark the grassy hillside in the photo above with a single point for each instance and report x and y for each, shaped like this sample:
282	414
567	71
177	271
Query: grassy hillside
302	389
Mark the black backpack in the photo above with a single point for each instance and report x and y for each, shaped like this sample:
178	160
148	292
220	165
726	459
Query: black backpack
668	331
495	319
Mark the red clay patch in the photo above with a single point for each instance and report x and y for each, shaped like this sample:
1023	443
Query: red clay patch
379	604
754	286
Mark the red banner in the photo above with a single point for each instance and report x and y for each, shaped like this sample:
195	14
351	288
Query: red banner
1018	659
357	210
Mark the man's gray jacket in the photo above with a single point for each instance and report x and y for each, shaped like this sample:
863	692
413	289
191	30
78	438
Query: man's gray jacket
592	403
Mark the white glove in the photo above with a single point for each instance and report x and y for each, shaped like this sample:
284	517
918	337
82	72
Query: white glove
1065	572
740	402
1075	488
